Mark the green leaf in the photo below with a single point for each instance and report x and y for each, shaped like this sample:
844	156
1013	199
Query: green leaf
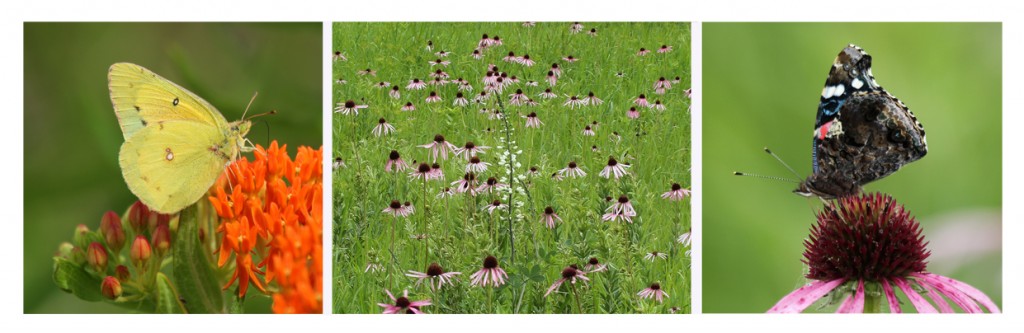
167	300
194	273
76	280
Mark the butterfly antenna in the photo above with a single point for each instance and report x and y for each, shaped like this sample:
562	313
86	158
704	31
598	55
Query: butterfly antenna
254	94
769	151
737	173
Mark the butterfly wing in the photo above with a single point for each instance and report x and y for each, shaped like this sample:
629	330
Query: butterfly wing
170	164
850	74
141	97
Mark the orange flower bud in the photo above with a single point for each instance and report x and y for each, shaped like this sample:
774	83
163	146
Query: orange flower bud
122	273
140	251
138	216
97	257
111	287
162	239
113	233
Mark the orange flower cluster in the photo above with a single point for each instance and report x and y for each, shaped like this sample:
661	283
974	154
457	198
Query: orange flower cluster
272	208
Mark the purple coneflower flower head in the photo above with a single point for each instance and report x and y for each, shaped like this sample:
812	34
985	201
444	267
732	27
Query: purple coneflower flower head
633	113
477	55
460	100
570	274
556	176
409	207
643	52
382	128
688	92
552	79
491	274
511	57
570	59
494	205
650	256
587	131
657	105
340	81
654	291
382	84
394	93
408	107
526	61
436	172
614	168
594	148
403	304
518	98
575	28
641	101
476	165
348	107
430	45
439	74
441	53
592	32
438	81
445	193
485	41
496	41
665	49
532	121
685	238
592	99
396	209
676	193
529	24
423	171
435	276
620	210
440	147
533	171
574	102
416	84
677	80
661	85
872	239
482	97
466	184
490	185
531	83
465	86
470	149
338	163
495	114
549	218
594	265
572	170
338	56
557	71
547	94
367	72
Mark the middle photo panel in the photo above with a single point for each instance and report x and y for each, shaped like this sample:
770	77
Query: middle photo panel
511	167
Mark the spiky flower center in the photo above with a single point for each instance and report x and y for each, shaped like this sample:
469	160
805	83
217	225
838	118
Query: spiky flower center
593	261
395	204
382	121
350	104
676	186
490	262
394	155
569	272
424	168
434	270
612	162
655	286
438	138
402	302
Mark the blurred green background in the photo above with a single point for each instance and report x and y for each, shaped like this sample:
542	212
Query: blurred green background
762	83
72	137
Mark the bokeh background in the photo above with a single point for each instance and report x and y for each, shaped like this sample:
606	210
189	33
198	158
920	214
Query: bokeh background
762	84
71	133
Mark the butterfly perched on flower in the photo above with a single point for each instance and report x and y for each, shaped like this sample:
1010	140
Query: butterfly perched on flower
861	133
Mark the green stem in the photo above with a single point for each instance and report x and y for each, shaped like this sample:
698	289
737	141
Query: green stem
579	308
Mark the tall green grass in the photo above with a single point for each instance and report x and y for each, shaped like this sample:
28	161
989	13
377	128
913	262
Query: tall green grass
459	234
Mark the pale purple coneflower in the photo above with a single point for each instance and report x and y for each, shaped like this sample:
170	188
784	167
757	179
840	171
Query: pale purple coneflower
530	83
437	81
643	52
518	98
430	45
395	162
572	170
592	32
676	80
549	218
396	209
382	128
436	172
465	86
685	239
687	92
465	184
348	107
445	193
662	85
435	276
439	74
620	75
570	59
512	79
614	168
496	41
575	28
526	61
529	24
556	176
574	102
338	163
570	274
594	148
547	94
665	49
338	56
587	131
340	81
394	93
496	114
557	71
403	304
530	102
470	149
654	291
382	84
552	79
416	84
490	185
868	243
511	57
460	100
495	205
633	113
460	80
409	208
651	256
621	209
439	146
482	97
433	98
641	101
491	274
594	265
484	42
476	165
408	107
533	172
657	105
676	193
367	72
441	53
477	55
591	99
423	172
532	121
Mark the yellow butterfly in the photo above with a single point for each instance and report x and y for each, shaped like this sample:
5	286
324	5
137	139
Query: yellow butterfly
175	143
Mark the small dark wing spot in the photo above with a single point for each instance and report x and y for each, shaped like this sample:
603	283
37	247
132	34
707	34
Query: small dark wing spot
137	109
175	102
144	123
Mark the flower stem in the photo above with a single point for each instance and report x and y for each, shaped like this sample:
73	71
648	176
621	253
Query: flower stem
426	214
579	308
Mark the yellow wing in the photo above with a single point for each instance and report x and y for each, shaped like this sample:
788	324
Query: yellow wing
170	164
141	97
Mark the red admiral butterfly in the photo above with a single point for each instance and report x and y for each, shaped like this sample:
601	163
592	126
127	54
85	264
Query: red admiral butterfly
861	132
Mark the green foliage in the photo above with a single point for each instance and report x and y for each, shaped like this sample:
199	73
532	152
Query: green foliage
762	83
460	234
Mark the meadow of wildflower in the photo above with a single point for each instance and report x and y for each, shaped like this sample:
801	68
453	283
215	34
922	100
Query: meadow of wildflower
499	168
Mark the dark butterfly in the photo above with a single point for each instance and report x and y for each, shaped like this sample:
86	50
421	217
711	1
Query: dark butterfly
861	133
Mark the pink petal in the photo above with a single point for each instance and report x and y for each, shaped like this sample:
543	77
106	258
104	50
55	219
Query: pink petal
890	295
854	304
800	299
941	302
919	302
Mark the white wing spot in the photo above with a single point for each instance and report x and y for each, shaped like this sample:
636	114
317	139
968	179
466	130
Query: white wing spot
857	83
170	154
840	89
